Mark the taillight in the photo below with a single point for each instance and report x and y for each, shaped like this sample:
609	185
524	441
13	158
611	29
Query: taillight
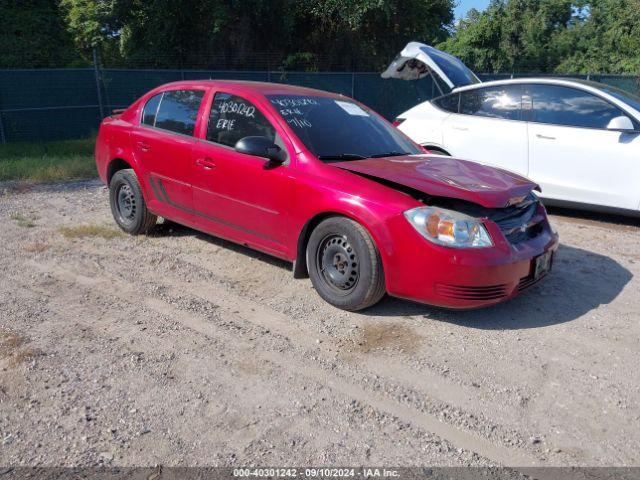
398	121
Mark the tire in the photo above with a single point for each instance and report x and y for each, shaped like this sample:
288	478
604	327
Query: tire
344	264
127	203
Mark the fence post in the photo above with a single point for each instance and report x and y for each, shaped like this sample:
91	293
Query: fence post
96	72
3	139
353	84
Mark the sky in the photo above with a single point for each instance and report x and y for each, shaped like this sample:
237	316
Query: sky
465	5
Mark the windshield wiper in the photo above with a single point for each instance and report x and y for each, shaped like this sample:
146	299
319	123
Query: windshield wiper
389	154
342	156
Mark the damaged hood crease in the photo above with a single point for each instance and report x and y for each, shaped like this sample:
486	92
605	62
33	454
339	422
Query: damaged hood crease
439	176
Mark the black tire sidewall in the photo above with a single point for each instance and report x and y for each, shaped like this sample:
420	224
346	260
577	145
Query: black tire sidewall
127	177
369	262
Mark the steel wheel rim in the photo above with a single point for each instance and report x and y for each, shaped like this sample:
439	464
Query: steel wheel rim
126	203
338	263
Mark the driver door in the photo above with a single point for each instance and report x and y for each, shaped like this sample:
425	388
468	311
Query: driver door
241	197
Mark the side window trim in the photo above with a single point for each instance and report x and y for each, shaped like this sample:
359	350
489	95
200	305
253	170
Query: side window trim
528	89
155	117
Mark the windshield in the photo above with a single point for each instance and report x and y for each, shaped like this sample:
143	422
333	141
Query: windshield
336	129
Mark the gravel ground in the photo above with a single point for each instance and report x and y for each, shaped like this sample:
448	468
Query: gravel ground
182	349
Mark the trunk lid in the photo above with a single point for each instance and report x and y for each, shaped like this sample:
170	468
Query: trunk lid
418	60
440	176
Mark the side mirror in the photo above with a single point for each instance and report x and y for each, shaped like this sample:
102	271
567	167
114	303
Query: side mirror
621	124
260	147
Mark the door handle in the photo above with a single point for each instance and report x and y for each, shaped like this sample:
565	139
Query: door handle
462	129
144	146
205	163
545	137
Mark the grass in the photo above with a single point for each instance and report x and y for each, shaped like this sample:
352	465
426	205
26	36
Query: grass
23	221
48	162
83	231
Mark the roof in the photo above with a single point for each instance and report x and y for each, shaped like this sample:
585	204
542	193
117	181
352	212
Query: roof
511	81
263	88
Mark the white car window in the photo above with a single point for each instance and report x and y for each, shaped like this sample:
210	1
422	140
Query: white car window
558	105
502	101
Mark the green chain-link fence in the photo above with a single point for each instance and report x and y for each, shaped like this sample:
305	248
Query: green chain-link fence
41	105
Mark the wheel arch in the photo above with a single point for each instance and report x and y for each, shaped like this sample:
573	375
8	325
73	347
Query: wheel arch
115	165
300	263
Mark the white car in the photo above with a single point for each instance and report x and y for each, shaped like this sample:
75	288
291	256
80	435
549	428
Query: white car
579	140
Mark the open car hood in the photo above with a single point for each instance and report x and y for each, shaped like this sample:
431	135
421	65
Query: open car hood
418	60
441	176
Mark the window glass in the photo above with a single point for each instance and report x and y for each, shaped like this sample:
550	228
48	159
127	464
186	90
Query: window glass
494	102
337	129
233	118
150	110
178	111
627	97
452	67
571	107
448	103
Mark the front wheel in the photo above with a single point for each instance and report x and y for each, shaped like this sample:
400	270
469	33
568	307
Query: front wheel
344	264
127	203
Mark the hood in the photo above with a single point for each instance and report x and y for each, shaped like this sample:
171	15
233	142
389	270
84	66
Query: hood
440	176
418	60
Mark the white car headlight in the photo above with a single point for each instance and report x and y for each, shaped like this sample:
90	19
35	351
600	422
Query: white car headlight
448	228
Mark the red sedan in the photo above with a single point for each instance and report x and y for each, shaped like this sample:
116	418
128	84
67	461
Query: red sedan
322	181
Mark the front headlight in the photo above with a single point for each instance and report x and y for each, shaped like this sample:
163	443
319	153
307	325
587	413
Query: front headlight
448	228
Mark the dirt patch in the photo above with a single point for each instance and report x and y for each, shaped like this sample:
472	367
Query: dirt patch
252	367
36	247
182	349
15	348
387	336
82	231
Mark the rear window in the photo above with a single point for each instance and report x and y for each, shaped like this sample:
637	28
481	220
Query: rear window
178	111
452	67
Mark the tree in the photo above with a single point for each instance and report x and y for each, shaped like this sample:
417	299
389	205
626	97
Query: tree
316	34
561	36
33	35
512	35
605	38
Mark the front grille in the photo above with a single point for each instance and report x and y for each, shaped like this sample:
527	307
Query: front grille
465	292
519	222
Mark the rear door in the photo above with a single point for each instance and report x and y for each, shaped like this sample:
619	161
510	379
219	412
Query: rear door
572	154
488	128
243	197
163	143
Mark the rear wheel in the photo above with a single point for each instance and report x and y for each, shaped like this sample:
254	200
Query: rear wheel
344	264
127	203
